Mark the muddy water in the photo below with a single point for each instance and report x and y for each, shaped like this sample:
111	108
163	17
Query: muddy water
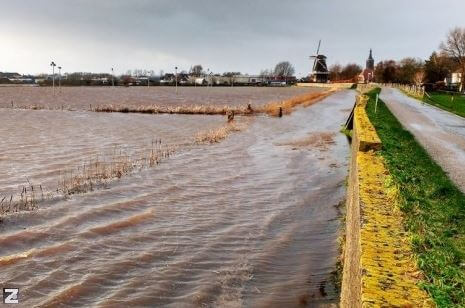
251	221
40	145
82	97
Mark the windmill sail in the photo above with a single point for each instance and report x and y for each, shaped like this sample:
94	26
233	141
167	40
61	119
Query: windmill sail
317	52
320	70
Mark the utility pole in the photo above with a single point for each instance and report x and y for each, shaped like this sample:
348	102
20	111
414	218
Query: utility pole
112	78
59	79
53	76
176	78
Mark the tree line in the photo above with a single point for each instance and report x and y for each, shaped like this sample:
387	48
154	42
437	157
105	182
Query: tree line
449	58
348	73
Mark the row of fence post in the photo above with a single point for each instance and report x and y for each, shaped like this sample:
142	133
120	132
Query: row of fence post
413	90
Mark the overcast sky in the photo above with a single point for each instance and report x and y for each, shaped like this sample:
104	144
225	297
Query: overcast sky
235	35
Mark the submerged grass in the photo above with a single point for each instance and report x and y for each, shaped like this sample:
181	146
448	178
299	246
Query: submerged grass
434	208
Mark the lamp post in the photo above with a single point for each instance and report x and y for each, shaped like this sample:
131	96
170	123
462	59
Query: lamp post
59	79
53	76
112	77
176	78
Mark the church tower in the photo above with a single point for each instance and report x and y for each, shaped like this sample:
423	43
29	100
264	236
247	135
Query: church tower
368	74
370	62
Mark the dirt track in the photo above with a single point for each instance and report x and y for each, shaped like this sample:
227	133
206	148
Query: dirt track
441	133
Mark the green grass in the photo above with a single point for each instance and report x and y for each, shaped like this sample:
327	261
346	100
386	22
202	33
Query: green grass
453	103
433	206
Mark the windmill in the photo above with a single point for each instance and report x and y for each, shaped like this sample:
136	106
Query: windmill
320	70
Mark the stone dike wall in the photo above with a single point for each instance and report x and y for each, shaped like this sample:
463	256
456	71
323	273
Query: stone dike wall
379	266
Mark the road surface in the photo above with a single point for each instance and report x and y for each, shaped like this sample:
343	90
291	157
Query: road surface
440	132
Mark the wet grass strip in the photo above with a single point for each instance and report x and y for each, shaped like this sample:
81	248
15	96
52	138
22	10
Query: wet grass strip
434	208
454	103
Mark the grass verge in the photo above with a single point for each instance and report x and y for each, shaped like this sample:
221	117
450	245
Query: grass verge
449	102
434	208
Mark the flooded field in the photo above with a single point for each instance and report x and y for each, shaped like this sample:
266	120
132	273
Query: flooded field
40	146
85	98
251	221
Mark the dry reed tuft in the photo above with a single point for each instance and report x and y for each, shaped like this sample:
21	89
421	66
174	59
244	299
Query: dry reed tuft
185	109
41	107
218	134
304	100
25	201
92	175
97	173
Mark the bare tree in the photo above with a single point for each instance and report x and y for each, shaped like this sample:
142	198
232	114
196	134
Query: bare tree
335	72
419	77
197	70
284	69
266	73
454	47
350	71
408	69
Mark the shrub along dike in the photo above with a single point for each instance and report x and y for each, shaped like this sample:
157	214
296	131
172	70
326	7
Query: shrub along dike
432	209
379	263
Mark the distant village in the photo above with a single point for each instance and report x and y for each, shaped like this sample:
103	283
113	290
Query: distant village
195	77
168	79
438	72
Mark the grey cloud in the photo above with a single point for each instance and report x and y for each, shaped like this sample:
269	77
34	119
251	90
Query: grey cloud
223	35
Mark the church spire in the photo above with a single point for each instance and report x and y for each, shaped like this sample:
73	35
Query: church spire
370	61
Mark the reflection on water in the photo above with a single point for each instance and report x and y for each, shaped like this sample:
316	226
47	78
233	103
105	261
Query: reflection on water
251	221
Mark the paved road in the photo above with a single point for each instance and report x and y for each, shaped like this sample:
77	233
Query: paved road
440	132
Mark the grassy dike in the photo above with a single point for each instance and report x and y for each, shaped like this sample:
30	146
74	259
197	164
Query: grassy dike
433	207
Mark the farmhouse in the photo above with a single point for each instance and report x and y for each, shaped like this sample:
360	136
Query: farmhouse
453	81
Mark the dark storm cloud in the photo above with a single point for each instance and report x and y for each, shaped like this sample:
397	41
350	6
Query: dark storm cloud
222	35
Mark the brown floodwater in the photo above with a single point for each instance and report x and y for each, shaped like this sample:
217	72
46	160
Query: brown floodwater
86	97
252	221
40	146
